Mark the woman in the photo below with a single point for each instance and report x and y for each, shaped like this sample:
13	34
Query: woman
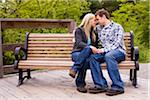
85	42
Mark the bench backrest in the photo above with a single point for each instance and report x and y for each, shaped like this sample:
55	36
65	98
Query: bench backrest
58	46
50	46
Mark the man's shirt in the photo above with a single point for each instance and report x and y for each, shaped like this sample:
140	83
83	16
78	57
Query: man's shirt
111	37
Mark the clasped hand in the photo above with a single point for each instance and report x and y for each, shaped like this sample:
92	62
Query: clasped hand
95	50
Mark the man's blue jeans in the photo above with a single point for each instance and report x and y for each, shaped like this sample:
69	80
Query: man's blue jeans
112	59
81	65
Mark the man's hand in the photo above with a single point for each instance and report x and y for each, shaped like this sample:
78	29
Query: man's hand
94	49
100	50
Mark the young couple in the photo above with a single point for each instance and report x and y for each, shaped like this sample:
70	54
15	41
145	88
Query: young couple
86	53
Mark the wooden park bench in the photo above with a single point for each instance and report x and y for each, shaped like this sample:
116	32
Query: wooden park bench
52	51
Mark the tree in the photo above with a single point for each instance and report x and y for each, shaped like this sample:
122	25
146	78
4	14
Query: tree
52	9
135	17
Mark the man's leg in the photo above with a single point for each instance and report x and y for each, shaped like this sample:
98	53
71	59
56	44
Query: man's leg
112	58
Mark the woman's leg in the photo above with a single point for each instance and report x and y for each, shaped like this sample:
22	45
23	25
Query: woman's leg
79	59
84	54
80	80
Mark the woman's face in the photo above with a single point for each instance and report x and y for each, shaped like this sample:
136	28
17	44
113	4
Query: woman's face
93	22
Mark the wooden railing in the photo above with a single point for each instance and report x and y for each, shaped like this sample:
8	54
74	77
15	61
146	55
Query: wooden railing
29	24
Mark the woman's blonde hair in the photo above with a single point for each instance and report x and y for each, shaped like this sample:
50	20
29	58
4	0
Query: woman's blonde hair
87	25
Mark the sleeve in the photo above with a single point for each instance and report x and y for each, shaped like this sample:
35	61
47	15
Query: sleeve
79	38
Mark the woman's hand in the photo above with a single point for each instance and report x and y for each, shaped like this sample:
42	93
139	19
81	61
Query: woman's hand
94	49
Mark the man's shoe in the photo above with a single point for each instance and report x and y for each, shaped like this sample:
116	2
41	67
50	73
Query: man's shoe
72	73
112	92
82	89
96	90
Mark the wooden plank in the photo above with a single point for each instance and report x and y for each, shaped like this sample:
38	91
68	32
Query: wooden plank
51	42
1	53
50	45
127	34
127	44
49	52
49	56
46	67
127	38
11	47
48	48
127	41
64	67
46	64
51	39
38	23
49	59
128	58
128	48
36	35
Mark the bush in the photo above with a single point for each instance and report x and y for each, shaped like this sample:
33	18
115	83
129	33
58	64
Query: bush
135	17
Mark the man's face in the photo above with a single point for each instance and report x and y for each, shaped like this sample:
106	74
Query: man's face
100	20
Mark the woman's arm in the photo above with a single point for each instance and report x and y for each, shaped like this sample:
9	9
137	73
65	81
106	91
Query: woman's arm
79	38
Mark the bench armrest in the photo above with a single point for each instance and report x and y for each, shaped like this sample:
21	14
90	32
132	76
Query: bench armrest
136	54
17	58
136	57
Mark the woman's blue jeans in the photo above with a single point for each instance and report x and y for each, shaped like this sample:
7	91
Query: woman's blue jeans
112	59
81	64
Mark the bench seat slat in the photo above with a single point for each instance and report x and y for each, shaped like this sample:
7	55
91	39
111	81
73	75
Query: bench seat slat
43	64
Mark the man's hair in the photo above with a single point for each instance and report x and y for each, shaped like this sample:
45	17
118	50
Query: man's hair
103	12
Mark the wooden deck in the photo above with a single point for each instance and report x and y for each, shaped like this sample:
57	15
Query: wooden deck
57	85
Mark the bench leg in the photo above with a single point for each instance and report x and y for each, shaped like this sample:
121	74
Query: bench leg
20	81
28	73
134	81
131	74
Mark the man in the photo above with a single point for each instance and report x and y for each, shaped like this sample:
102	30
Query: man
112	52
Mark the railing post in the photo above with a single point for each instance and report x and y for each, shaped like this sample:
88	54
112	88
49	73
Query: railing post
1	55
72	26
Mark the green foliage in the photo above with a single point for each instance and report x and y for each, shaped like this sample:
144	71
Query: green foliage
110	5
9	57
51	9
48	9
131	14
95	5
135	17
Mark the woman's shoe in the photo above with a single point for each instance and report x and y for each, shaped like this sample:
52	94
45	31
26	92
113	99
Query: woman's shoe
72	73
82	89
